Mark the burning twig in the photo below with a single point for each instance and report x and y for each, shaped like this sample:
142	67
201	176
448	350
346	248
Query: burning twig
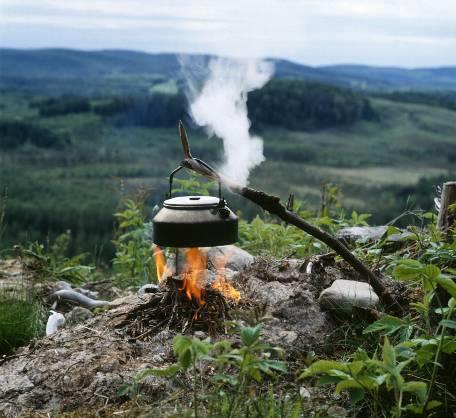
175	310
272	205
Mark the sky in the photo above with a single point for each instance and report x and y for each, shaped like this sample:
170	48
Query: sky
407	33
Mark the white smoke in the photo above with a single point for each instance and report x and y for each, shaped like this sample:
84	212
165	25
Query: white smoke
221	107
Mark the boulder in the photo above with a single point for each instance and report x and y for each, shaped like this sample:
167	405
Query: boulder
78	315
234	258
343	295
369	234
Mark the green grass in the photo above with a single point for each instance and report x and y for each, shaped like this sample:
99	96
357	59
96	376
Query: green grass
20	321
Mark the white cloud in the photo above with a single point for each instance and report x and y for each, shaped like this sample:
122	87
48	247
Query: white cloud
313	31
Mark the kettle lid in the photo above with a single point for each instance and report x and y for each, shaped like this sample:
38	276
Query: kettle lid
192	202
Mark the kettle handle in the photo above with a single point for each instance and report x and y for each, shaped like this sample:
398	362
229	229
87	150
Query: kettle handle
171	177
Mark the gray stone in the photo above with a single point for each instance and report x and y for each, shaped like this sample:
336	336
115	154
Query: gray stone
148	288
70	295
234	258
355	233
288	337
229	257
343	295
89	293
368	234
78	315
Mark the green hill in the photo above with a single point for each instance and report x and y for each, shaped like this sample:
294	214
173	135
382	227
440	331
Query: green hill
58	64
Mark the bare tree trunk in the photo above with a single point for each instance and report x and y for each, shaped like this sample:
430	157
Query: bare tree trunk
272	205
447	218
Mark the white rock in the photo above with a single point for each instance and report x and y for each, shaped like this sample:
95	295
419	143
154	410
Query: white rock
343	295
148	288
55	321
233	258
304	393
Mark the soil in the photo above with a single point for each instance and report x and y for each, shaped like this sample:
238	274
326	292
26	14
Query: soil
82	368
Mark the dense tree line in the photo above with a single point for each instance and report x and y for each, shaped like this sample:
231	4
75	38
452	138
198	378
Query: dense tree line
15	133
291	104
62	105
442	99
300	105
154	111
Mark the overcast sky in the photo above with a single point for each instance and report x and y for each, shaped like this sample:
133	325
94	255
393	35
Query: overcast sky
409	33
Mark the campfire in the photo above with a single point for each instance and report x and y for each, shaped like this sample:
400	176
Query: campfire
194	293
195	275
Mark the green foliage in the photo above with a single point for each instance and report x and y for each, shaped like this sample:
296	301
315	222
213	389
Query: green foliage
133	263
21	319
62	106
268	236
296	104
261	237
391	383
15	133
50	262
193	186
231	374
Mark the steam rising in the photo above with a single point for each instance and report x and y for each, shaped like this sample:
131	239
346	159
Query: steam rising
221	107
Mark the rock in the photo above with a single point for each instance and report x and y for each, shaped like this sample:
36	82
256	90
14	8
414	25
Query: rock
200	334
304	393
232	257
148	288
288	337
365	233
89	293
368	234
343	295
78	315
62	285
70	295
336	411
55	321
229	257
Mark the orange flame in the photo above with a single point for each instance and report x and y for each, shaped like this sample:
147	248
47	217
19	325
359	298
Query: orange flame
194	278
221	283
160	264
194	275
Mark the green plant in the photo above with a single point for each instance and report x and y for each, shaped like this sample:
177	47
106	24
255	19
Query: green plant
133	263
21	319
418	353
223	376
369	375
50	263
261	237
193	186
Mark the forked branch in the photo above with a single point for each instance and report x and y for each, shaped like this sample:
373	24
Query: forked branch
272	205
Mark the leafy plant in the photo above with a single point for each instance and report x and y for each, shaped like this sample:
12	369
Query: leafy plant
133	263
369	375
235	371
50	263
418	352
193	186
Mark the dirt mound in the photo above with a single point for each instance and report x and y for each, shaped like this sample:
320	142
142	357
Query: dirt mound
83	367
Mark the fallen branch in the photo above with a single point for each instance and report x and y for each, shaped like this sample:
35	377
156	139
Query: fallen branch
272	205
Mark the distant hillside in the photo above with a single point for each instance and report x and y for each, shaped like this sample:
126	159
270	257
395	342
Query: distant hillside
64	64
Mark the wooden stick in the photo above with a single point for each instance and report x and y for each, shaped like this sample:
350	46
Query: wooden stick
272	205
446	217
